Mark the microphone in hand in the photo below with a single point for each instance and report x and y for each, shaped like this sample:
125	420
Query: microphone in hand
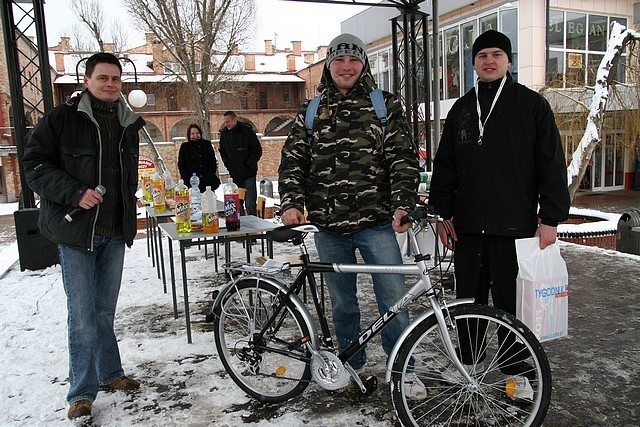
69	217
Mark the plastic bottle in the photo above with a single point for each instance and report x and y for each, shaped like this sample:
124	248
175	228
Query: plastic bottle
169	187
157	193
146	188
210	222
231	206
183	211
196	200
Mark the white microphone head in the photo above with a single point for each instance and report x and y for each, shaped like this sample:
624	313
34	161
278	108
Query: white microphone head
101	190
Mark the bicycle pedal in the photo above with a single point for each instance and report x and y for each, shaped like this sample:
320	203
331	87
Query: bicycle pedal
370	384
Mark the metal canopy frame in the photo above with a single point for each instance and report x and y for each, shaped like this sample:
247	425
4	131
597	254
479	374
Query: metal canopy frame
29	109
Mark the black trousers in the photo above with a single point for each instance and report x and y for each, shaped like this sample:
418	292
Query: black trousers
486	264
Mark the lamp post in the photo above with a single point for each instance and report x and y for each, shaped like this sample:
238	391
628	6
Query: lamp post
137	97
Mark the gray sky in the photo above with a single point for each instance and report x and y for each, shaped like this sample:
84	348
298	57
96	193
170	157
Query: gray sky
280	20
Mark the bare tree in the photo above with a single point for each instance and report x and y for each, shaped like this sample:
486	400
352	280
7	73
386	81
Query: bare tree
91	14
102	30
582	110
619	38
80	42
201	36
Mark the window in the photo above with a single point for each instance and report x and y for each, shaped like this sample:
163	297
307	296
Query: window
468	36
456	75
286	94
577	43
452	57
172	68
264	99
151	99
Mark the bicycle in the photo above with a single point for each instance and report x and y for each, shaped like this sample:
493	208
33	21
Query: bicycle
481	366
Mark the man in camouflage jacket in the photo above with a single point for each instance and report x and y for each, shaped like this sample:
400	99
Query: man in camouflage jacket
356	181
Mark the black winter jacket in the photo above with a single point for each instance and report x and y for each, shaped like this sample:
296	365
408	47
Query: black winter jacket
63	159
240	151
198	156
496	187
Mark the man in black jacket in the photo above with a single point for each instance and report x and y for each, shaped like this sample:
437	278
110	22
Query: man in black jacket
90	142
240	151
499	174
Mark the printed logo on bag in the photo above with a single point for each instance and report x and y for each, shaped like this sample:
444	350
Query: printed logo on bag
552	291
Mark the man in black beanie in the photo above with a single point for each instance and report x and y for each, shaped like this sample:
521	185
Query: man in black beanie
499	174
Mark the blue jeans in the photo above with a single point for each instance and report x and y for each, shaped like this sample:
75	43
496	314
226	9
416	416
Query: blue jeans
377	245
251	197
92	284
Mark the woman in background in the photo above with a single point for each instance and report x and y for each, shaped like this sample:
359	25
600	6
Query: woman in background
198	155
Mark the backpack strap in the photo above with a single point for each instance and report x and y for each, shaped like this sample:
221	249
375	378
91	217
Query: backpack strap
377	99
310	116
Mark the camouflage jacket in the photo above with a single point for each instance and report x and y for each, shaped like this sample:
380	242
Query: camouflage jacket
350	176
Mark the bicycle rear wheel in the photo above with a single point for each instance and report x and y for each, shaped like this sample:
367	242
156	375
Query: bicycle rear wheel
271	368
511	376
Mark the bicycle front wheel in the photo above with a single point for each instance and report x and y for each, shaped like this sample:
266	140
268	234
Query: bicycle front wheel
271	367
510	375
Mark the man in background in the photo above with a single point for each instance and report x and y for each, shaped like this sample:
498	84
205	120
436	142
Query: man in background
240	151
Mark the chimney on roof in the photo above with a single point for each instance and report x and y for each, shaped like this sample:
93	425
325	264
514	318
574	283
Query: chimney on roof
234	49
65	44
268	47
150	41
322	52
59	61
291	62
156	48
109	47
308	58
297	48
249	62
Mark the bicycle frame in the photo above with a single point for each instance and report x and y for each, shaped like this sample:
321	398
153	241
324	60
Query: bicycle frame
421	287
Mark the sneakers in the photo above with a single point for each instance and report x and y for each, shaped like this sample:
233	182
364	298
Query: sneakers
452	375
414	389
80	408
520	368
122	383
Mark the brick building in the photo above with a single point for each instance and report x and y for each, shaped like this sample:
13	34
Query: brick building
267	91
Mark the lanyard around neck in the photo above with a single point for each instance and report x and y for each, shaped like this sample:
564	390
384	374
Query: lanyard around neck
493	104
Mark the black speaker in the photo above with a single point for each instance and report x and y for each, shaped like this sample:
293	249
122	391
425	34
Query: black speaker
36	251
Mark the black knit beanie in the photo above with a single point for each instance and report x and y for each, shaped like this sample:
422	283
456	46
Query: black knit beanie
491	38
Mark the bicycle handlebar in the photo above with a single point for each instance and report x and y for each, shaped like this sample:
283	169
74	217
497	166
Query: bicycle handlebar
419	213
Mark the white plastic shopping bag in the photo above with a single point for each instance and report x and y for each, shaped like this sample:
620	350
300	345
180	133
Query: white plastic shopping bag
542	290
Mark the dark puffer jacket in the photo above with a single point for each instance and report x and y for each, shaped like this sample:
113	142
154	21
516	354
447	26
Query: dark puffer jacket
63	159
240	151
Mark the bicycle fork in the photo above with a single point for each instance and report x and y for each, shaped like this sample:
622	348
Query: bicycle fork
444	326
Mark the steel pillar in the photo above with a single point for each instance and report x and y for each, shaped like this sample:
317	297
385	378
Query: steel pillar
409	33
29	74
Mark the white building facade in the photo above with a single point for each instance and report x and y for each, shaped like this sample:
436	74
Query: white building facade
557	45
